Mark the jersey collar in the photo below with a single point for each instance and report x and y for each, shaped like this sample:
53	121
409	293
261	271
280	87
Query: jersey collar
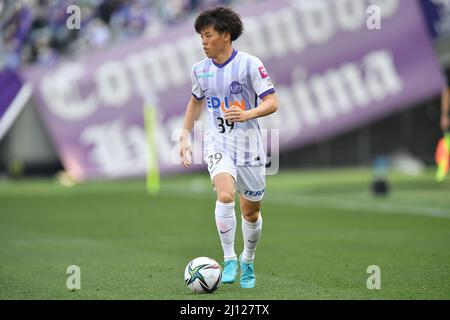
226	62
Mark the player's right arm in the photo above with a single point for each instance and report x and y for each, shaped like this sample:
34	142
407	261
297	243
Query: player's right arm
193	112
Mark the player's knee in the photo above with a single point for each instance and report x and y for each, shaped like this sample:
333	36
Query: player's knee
225	196
251	215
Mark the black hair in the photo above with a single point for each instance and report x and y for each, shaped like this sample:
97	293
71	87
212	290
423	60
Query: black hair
222	19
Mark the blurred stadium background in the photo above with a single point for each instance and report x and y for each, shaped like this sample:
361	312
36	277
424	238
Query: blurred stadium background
357	105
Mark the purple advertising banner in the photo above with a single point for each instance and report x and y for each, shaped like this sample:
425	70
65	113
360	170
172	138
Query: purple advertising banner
336	66
12	99
10	85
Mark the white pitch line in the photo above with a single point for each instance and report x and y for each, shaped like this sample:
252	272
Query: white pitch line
320	202
356	205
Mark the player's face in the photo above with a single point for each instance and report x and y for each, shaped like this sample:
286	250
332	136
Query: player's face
213	42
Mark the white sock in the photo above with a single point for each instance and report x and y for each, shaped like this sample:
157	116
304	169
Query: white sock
252	233
226	226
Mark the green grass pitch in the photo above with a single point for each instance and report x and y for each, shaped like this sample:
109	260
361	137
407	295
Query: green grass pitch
321	231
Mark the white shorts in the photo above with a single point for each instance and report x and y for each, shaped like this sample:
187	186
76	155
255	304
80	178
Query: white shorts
250	180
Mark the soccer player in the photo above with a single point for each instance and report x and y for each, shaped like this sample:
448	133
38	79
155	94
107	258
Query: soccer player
232	83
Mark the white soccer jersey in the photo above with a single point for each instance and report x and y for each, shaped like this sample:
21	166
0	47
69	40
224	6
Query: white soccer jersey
240	81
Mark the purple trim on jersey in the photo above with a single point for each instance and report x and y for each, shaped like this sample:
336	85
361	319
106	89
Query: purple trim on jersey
234	77
198	97
238	96
226	62
247	154
246	93
235	150
246	97
265	93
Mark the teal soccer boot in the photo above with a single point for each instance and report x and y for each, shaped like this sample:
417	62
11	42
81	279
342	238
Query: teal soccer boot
248	279
229	271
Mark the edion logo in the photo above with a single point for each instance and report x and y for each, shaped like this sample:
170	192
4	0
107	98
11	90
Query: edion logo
214	102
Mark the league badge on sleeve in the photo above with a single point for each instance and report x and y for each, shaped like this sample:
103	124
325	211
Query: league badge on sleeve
262	72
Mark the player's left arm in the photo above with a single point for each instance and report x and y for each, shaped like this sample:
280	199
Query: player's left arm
268	105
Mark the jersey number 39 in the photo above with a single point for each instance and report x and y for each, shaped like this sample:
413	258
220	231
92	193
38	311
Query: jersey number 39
214	159
222	124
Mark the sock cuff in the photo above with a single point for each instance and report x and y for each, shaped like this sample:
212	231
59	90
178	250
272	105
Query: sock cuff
223	204
253	225
224	210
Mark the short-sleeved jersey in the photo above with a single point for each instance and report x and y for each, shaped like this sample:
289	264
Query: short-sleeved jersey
240	81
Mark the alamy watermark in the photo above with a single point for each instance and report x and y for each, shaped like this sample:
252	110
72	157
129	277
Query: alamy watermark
247	147
374	280
373	21
74	20
74	280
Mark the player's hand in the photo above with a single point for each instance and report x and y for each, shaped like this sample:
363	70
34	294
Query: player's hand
236	114
445	122
185	152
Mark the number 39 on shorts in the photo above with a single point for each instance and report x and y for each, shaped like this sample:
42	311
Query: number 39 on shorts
214	159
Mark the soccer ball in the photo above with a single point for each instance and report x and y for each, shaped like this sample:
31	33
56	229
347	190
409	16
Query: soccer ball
203	275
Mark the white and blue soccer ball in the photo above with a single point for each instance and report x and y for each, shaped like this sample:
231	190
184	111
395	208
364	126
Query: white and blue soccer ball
203	275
